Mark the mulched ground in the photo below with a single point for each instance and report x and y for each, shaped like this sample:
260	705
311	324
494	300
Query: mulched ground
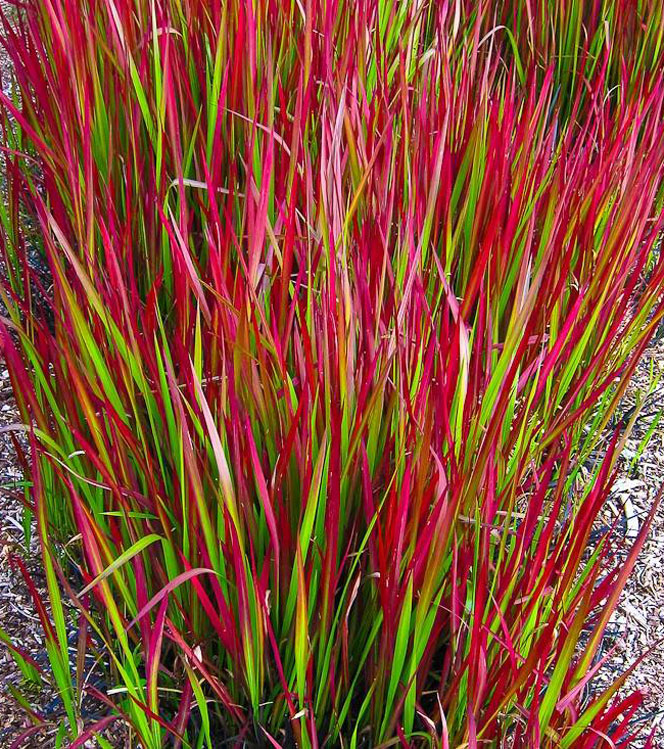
637	626
17	612
16	615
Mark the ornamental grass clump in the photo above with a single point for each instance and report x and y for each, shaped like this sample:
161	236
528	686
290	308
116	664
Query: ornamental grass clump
318	316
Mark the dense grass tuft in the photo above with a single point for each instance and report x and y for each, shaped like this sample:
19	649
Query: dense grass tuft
319	314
